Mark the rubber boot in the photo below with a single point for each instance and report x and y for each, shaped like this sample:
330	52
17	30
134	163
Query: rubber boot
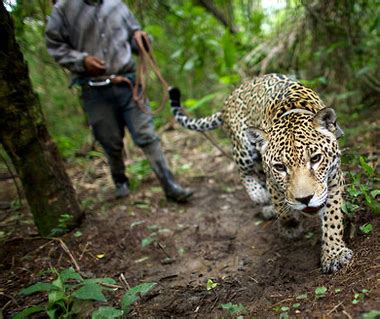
121	190
172	189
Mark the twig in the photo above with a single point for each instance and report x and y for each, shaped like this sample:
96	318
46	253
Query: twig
333	309
12	299
124	280
214	304
104	284
347	314
163	249
253	279
67	250
83	251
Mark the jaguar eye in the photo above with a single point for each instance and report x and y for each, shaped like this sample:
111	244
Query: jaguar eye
315	159
279	167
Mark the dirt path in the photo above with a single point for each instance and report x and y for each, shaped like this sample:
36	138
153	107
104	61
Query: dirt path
218	235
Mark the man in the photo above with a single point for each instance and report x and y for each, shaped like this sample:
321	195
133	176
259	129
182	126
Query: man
94	39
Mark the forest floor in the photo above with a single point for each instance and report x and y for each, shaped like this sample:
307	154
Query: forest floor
218	235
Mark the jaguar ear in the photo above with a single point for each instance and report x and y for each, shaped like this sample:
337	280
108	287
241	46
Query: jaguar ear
325	121
258	138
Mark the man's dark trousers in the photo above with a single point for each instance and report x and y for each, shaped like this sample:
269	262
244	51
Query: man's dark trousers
110	109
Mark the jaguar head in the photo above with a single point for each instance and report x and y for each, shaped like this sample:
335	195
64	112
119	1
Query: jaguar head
300	153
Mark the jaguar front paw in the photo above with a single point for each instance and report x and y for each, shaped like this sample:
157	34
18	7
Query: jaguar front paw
336	260
268	212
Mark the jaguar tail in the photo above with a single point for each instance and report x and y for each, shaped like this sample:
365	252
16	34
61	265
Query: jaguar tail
201	124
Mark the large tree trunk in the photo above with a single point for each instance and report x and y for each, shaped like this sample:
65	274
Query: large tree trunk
25	138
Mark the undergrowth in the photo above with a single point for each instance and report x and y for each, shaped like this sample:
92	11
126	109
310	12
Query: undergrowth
69	295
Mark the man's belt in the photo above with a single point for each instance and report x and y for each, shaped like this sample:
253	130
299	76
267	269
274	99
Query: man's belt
100	81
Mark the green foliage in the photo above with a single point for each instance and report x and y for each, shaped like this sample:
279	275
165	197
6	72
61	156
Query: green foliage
211	284
38	287
70	296
63	223
358	296
198	54
134	294
29	311
106	313
362	189
148	240
90	291
373	314
60	105
320	292
282	310
138	171
194	104
366	228
301	296
234	309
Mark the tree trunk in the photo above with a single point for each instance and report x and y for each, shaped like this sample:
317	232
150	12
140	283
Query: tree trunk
23	133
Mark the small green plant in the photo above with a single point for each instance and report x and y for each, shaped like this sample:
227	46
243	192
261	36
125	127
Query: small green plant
284	311
152	237
211	284
134	294
234	309
63	222
88	202
139	170
302	296
70	296
320	292
78	233
372	314
146	241
296	305
359	296
366	228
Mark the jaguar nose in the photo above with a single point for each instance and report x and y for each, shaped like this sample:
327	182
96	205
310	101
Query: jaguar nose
305	200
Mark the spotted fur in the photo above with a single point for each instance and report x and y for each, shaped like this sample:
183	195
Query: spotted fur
278	120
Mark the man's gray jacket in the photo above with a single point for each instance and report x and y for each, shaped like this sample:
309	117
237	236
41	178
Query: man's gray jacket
76	29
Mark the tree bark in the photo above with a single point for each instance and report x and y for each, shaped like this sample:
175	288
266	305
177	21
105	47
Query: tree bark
25	138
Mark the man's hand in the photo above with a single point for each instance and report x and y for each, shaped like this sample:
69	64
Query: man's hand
144	39
119	79
94	66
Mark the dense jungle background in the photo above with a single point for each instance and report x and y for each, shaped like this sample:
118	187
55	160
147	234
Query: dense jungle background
213	257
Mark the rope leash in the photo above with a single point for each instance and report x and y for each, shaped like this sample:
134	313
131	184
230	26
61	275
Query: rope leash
146	58
146	55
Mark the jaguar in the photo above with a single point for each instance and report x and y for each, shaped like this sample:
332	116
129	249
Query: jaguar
284	143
